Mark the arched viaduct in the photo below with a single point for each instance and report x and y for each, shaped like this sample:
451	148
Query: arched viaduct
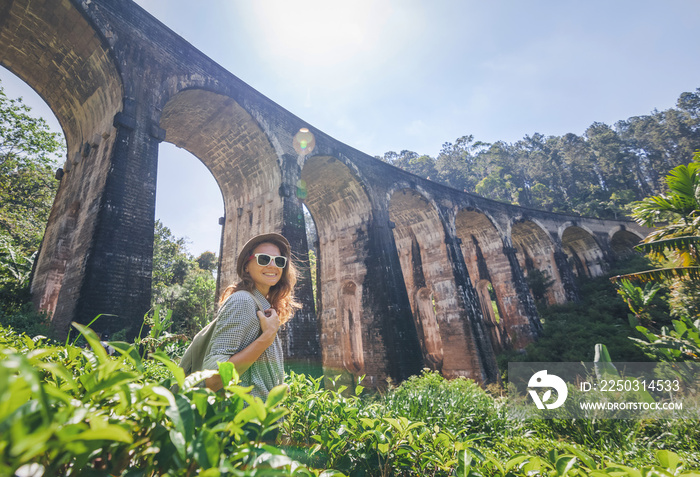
412	274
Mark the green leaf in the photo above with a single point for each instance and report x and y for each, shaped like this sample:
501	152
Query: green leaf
692	273
93	341
109	433
112	381
518	459
564	465
182	416
207	449
669	460
129	352
228	373
276	395
177	371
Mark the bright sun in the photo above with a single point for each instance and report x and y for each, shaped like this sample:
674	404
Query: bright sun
318	33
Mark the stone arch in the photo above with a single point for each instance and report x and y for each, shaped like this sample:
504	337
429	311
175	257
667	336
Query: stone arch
341	211
622	243
536	252
238	153
486	259
419	235
583	251
55	50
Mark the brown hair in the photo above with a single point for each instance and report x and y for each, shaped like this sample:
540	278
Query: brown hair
281	296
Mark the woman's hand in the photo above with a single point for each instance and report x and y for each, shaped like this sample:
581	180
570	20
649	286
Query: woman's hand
269	322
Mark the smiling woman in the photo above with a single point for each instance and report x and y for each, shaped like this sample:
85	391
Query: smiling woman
251	313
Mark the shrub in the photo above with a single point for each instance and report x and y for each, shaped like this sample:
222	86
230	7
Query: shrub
74	411
459	405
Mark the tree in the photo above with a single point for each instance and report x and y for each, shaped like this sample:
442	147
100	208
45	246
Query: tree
409	161
182	283
676	240
207	261
455	165
28	157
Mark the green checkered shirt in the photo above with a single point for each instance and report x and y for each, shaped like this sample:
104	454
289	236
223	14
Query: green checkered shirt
238	326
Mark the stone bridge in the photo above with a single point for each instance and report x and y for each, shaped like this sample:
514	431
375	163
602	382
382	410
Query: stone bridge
412	274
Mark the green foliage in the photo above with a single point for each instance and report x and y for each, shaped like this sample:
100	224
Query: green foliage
571	330
676	240
425	427
66	410
73	411
159	339
638	300
597	174
459	405
180	282
679	343
24	319
676	214
207	261
539	282
28	155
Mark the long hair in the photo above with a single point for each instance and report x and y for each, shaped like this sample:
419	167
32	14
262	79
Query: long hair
281	296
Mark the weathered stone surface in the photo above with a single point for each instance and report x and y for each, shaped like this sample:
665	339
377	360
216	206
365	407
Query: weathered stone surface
404	264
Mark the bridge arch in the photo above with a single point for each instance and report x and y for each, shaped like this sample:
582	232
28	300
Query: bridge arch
57	52
536	252
419	235
582	250
341	210
238	153
485	254
622	242
54	49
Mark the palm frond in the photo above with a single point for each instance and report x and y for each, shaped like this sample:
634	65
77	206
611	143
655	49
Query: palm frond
675	243
683	179
677	273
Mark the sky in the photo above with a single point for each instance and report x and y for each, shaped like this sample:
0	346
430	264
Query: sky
384	75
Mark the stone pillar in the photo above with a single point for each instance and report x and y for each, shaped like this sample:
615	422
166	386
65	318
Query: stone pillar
474	319
567	276
603	240
385	296
524	295
301	335
117	280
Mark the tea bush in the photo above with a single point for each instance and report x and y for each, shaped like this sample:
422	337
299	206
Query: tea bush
411	431
457	404
77	411
68	410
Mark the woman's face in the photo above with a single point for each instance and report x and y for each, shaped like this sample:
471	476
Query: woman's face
267	276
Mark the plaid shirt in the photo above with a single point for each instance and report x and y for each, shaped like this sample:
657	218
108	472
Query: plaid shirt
238	326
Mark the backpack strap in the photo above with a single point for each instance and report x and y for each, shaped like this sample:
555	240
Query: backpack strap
255	298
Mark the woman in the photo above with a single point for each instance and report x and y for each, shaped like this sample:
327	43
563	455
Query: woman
244	335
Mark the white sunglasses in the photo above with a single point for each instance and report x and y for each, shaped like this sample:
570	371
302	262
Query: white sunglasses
264	260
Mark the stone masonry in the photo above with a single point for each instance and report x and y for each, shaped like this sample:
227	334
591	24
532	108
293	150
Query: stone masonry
412	274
